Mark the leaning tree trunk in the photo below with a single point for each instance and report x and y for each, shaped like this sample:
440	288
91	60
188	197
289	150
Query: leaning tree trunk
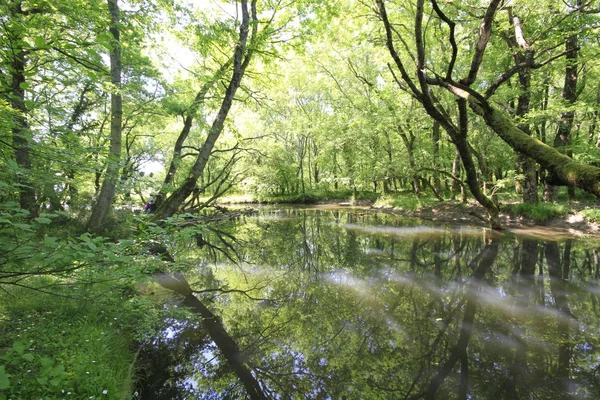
187	126
111	175
562	170
241	60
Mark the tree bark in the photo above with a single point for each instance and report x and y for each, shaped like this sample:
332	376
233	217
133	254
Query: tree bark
111	175
562	170
21	134
525	164
437	186
562	140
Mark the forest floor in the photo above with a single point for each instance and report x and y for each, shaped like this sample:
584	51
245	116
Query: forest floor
473	214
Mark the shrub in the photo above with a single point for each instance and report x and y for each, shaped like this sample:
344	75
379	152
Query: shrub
591	214
540	212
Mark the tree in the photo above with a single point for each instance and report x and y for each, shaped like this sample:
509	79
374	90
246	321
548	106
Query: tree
111	175
428	77
241	59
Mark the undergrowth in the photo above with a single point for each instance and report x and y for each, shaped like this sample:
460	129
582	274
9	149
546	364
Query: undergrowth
539	212
56	347
315	196
591	214
408	201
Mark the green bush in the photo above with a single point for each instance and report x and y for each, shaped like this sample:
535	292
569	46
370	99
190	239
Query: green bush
407	201
540	212
321	195
591	214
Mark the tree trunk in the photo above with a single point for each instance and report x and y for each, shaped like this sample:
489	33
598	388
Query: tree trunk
437	186
409	144
241	60
455	187
421	90
562	140
562	170
460	141
21	135
111	175
523	52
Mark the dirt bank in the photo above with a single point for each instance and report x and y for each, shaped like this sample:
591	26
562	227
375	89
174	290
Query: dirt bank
473	214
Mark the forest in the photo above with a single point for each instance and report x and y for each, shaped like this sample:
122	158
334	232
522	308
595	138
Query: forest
191	106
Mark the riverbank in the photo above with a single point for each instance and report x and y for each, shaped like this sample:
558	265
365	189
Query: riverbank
574	221
574	218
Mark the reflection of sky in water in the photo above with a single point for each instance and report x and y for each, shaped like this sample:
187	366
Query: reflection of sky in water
411	231
384	294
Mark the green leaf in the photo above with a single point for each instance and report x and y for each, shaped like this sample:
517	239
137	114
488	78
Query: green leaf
24	85
28	356
58	371
55	381
39	41
20	347
4	379
22	226
43	220
46	362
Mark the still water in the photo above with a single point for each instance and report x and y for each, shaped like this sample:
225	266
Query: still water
326	303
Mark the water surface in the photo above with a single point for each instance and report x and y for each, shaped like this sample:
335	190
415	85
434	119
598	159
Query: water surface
349	304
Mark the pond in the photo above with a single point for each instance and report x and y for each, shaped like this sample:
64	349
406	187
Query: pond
328	303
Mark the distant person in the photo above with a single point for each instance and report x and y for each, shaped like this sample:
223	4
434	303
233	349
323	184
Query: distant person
149	207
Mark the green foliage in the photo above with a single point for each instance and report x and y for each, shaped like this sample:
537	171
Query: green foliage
69	346
591	214
322	195
68	316
408	201
539	212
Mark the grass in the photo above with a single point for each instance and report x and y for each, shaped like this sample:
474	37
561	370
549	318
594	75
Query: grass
53	347
310	196
407	201
591	214
539	212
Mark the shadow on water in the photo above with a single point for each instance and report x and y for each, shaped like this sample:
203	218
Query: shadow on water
342	304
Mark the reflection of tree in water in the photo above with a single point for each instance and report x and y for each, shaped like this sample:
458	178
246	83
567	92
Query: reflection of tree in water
394	313
166	361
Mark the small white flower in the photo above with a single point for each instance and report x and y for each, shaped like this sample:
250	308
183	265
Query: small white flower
105	391
87	372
